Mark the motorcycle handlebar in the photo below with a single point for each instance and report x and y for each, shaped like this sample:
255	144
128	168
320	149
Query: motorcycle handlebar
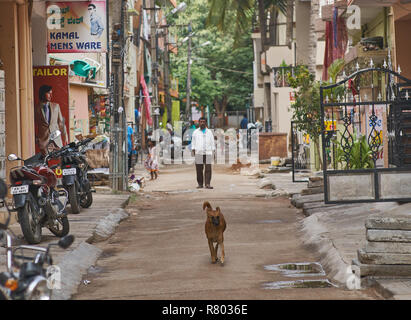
85	141
72	145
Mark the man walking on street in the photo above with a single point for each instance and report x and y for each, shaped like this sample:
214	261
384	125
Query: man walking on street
244	126
244	122
203	147
130	146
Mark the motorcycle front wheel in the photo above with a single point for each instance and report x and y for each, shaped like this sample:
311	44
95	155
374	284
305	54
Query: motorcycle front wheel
30	228
87	200
61	227
74	199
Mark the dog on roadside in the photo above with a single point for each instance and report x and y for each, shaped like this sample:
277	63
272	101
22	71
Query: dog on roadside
214	228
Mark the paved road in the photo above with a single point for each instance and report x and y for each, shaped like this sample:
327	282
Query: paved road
161	251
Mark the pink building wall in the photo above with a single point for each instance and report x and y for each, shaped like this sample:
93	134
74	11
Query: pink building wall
79	115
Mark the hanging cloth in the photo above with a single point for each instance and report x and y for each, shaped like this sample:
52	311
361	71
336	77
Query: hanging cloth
328	49
147	101
147	65
336	39
335	27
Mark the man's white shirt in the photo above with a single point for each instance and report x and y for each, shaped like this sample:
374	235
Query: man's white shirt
203	142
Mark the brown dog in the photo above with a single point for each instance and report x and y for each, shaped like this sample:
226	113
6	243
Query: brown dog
214	228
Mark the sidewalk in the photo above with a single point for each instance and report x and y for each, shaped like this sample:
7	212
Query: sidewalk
336	232
94	224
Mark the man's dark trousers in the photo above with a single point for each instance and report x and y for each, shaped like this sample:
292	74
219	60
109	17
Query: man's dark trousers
203	168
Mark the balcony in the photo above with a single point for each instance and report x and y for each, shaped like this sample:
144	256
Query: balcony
360	52
281	75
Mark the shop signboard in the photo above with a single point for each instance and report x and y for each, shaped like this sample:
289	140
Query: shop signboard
79	26
51	103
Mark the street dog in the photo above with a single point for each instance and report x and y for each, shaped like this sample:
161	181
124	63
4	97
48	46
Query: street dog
214	228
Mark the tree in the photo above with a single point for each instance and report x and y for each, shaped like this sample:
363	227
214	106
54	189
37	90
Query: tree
244	11
290	24
307	107
312	54
222	76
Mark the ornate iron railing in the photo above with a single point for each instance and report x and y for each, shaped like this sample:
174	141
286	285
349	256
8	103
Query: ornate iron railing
367	147
281	75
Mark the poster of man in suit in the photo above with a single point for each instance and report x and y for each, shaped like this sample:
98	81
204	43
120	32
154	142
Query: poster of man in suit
51	103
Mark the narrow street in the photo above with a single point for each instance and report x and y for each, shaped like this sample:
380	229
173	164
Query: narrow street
161	251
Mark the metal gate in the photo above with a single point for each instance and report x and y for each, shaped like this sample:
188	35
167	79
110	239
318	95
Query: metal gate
301	155
367	151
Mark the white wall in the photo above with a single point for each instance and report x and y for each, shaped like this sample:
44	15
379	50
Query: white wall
280	105
276	55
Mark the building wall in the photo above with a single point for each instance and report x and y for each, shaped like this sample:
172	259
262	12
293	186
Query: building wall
39	33
16	55
79	114
276	56
259	78
131	82
258	97
402	11
403	46
281	107
302	11
376	27
401	23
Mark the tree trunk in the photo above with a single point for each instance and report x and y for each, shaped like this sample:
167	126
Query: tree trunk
312	50
220	107
273	26
263	24
290	23
317	146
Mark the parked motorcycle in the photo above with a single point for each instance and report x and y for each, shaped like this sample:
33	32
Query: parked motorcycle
36	197
30	281
74	169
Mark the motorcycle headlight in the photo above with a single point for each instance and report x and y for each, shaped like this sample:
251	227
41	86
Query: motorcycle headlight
38	289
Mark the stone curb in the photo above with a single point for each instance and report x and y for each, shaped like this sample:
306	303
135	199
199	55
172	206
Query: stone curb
312	235
75	264
107	225
72	267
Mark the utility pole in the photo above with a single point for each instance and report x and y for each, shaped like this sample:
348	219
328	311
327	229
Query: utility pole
188	105
167	75
118	147
181	7
154	63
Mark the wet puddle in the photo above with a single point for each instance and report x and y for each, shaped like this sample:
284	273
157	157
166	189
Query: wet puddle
306	269
181	191
299	284
303	269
